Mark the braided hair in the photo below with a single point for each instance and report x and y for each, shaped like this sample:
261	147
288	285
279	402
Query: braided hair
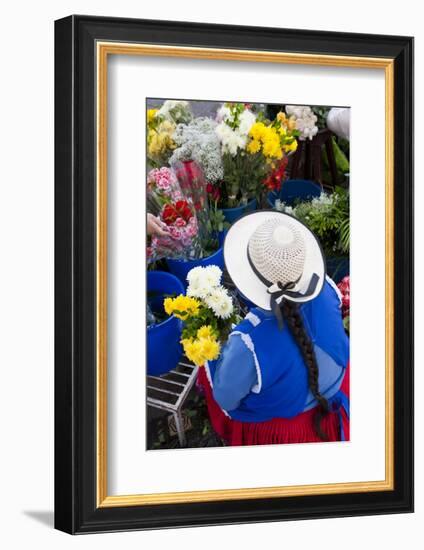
294	320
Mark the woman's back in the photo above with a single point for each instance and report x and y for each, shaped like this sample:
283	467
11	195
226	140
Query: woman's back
276	364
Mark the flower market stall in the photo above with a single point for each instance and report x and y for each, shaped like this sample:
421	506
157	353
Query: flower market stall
209	164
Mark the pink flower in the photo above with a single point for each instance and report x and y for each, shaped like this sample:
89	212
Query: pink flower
179	222
175	233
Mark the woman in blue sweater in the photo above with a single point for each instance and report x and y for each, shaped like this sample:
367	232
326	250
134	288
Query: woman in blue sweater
281	377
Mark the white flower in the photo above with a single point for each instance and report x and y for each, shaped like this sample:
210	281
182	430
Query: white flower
175	111
223	113
305	120
194	274
280	206
220	302
202	281
247	119
198	141
212	275
231	140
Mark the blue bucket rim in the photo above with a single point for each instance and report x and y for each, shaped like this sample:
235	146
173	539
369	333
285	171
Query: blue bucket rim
238	207
157	325
180	260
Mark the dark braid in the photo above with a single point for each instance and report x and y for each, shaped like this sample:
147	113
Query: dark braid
295	322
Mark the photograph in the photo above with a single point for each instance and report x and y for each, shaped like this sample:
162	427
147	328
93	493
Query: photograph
248	280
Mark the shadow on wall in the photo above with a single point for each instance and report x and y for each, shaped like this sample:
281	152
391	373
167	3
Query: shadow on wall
46	517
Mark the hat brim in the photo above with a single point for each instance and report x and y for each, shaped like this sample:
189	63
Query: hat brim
241	272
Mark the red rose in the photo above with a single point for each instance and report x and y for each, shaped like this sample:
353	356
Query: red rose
169	215
183	210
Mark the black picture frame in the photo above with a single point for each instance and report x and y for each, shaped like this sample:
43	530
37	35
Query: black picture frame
76	509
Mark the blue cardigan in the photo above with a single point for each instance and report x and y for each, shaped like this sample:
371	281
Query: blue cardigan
261	373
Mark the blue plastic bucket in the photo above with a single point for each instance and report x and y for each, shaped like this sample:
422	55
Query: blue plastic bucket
337	267
233	214
163	340
180	268
293	191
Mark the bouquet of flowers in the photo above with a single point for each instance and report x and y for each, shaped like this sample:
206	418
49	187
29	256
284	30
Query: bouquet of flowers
207	311
211	220
253	150
161	126
166	199
198	141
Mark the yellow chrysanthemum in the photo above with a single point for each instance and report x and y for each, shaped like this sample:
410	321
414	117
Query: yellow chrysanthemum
206	331
181	306
272	149
257	130
282	131
151	113
168	305
254	146
290	146
193	351
210	348
201	350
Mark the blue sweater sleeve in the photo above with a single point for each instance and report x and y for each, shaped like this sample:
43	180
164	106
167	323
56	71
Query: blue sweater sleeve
235	374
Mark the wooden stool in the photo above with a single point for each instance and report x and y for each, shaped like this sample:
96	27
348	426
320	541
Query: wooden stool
312	165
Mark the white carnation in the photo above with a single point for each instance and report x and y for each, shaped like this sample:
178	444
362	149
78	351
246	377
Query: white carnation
220	303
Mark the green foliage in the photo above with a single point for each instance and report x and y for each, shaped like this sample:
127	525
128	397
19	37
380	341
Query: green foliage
243	175
328	218
206	317
321	114
341	160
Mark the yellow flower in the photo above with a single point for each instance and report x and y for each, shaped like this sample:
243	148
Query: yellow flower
254	146
272	149
257	130
290	146
210	348
287	122
151	113
282	131
181	306
282	117
193	351
206	331
201	350
168	305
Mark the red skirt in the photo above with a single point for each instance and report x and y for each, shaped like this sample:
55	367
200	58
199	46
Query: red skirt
299	429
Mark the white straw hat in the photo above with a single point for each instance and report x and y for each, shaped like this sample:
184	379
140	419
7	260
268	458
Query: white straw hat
271	256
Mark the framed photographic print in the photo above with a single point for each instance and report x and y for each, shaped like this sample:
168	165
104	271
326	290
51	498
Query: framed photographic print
234	274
